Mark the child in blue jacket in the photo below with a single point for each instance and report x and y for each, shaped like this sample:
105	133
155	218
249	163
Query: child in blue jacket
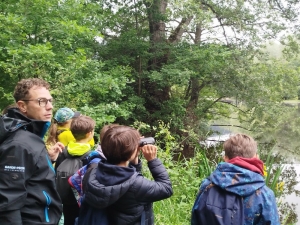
242	173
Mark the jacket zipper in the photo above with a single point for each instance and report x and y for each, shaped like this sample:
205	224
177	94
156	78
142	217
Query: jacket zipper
48	201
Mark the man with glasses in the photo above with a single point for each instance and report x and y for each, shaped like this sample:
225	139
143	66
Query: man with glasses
27	180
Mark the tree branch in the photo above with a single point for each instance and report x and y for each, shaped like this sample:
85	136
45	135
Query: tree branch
191	36
233	106
177	33
210	105
219	18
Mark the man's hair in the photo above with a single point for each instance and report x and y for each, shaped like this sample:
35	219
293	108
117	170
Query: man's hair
105	128
23	86
119	143
82	125
240	145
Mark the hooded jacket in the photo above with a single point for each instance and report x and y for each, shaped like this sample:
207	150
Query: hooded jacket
125	193
74	149
66	136
28	194
259	200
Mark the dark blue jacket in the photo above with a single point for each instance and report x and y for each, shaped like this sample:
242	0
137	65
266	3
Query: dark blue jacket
125	193
259	200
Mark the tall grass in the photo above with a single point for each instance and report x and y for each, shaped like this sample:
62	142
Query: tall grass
272	174
184	175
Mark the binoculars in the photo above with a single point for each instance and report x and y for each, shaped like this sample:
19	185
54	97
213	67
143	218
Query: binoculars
147	141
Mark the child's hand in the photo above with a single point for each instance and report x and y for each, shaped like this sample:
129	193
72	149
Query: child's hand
149	152
54	150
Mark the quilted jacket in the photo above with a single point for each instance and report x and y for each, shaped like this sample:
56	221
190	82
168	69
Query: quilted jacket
125	193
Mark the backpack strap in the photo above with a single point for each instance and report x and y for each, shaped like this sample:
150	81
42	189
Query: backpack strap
85	158
87	174
209	186
65	153
61	157
143	217
147	207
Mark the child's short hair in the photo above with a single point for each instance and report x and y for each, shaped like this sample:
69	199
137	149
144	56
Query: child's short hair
82	125
240	145
119	143
105	128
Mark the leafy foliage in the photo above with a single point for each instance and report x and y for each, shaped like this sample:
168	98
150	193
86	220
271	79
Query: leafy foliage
152	62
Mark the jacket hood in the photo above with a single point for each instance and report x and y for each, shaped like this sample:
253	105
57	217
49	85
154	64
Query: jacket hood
14	120
109	174
78	149
107	183
236	179
11	122
253	164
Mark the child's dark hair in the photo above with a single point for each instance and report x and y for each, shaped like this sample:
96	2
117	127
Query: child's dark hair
105	128
82	125
119	143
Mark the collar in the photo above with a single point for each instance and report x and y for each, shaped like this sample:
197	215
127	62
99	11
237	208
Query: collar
37	127
253	164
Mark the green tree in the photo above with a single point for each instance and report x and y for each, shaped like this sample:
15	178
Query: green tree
177	61
58	42
191	55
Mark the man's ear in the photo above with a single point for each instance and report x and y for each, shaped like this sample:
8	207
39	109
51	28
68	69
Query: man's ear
22	106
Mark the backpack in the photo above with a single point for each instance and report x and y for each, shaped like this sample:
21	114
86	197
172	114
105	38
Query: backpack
67	168
216	206
89	215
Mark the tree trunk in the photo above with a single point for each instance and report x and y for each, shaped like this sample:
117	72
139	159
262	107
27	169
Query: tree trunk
194	82
160	51
159	54
193	96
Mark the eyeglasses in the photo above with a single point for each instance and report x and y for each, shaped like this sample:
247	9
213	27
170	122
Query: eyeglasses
42	101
